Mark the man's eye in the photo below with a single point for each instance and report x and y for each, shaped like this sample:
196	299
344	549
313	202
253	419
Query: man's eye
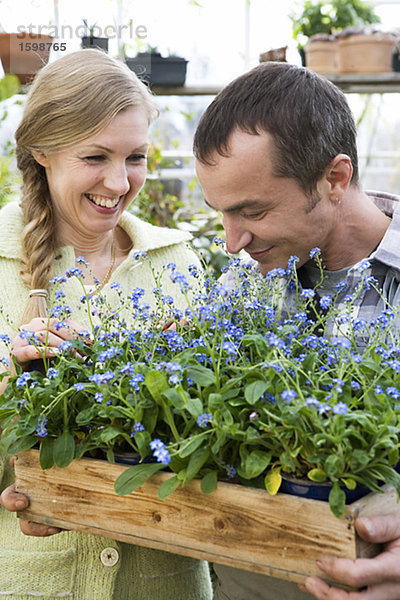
257	215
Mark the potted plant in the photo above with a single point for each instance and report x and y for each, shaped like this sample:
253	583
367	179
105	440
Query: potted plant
24	53
247	386
155	69
317	17
91	40
365	50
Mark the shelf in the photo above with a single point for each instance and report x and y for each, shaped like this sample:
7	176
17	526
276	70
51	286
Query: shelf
366	83
356	83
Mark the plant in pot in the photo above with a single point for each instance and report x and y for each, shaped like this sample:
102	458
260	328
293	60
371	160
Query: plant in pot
90	40
155	69
365	50
24	53
316	17
251	384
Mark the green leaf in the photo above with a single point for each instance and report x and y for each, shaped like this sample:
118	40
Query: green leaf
64	449
209	482
253	391
256	462
168	486
215	401
201	375
135	476
337	500
46	453
196	461
175	398
351	484
194	406
272	481
333	466
22	444
156	383
190	446
358	460
317	475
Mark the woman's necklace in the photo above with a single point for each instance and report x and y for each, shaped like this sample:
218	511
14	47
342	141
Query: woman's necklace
107	276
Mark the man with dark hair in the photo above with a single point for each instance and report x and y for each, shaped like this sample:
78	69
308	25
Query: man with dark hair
276	155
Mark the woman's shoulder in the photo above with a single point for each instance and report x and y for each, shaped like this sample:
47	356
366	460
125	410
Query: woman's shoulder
146	236
11	225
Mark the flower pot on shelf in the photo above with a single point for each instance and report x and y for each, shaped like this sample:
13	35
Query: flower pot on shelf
23	54
318	490
365	52
158	70
94	42
321	54
235	525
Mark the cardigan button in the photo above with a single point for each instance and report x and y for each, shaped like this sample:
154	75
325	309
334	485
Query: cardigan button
109	557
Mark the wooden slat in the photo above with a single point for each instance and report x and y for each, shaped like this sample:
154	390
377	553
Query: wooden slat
243	527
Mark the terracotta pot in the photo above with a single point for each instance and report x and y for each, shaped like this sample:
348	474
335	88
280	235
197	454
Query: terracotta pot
322	56
366	53
23	54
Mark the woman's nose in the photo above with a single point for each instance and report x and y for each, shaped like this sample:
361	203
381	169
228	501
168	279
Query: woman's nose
116	179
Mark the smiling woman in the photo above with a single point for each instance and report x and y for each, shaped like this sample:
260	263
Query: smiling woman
81	148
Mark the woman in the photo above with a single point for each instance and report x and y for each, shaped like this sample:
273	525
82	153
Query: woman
81	148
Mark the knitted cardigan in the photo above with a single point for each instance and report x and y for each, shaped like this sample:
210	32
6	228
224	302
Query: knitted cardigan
71	564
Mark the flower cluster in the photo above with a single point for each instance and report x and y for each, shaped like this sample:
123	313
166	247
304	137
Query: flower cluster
252	381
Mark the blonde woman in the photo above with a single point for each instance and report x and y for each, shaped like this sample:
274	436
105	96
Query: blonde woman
81	148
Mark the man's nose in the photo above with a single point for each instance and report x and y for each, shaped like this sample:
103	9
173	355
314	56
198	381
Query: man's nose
237	237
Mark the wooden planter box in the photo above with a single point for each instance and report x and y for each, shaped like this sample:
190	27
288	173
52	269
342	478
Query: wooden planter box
246	528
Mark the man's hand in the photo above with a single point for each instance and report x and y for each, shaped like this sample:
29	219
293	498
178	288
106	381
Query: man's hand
377	578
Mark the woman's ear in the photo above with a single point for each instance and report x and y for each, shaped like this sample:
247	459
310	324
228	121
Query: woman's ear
40	158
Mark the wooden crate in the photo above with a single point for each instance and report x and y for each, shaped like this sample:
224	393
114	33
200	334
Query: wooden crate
243	527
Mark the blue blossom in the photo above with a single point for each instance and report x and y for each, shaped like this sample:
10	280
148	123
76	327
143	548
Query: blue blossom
218	241
253	416
41	428
307	293
325	301
204	419
363	265
229	348
137	427
23	379
288	395
59	279
79	387
74	272
138	254
136	380
230	471
99	397
340	408
315	252
160	451
5	338
100	378
114	285
82	261
355	385
52	373
174	379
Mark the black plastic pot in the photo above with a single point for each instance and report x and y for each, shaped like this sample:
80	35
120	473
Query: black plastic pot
158	70
95	42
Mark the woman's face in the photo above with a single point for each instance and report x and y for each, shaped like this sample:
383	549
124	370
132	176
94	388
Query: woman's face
93	182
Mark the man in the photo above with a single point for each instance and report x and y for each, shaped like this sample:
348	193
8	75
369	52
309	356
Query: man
276	155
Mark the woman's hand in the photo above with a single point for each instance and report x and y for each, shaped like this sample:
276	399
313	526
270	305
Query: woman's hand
13	501
47	332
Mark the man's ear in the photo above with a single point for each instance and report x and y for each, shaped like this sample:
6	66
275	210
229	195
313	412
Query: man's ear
338	175
40	158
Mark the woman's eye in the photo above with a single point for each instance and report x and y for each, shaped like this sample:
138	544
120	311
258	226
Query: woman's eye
95	158
138	157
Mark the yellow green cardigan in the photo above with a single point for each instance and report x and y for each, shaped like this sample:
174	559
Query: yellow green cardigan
73	565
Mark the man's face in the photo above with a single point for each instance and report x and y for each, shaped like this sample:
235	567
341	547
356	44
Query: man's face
270	217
